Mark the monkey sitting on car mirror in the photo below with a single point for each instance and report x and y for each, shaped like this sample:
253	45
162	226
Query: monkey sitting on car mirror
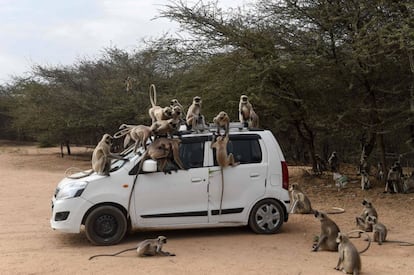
149	247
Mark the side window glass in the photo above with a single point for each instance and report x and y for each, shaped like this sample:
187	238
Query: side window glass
244	151
192	154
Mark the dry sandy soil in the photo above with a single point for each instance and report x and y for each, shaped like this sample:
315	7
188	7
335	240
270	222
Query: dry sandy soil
28	176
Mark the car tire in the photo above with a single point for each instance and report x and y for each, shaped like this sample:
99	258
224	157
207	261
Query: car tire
105	225
266	217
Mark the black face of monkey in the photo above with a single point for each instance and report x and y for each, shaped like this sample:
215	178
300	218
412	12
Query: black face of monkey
107	139
197	100
243	98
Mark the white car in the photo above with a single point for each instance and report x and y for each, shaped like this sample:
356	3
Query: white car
255	192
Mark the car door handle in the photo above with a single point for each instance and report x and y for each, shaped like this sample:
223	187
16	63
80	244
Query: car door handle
254	175
196	179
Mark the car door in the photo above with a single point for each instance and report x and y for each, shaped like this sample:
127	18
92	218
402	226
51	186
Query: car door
177	198
243	184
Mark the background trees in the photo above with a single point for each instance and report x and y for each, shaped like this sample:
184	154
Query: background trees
323	75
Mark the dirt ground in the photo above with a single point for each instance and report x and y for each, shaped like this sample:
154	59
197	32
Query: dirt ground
28	177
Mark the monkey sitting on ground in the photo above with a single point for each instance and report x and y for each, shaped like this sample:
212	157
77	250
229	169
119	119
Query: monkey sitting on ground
349	259
368	210
157	112
149	247
408	183
329	232
138	133
301	203
101	158
222	121
380	231
247	115
194	118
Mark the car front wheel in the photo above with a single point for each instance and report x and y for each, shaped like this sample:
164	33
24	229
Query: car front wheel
266	217
105	225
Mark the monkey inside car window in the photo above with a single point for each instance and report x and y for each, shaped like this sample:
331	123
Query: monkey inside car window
244	151
192	154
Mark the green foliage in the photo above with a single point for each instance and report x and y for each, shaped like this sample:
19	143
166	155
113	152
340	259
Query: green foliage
322	75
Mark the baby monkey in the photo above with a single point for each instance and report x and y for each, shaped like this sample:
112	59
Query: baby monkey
149	247
380	232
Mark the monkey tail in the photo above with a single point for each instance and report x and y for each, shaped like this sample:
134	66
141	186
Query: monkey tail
122	132
110	255
222	189
359	236
337	210
153	95
73	170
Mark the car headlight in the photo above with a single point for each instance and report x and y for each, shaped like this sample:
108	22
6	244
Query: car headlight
71	190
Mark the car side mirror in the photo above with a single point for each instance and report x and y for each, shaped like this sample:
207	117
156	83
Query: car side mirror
149	166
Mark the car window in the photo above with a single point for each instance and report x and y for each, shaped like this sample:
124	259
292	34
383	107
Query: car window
243	150
192	154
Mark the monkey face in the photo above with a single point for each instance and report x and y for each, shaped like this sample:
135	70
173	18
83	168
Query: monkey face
339	237
176	111
174	102
366	203
197	100
243	98
371	219
320	215
107	139
162	239
167	111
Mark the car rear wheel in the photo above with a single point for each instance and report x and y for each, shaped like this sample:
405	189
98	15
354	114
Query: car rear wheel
266	217
105	225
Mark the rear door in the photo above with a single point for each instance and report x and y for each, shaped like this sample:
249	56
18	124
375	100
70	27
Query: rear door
177	198
243	184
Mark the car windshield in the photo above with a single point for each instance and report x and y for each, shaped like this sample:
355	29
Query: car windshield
128	154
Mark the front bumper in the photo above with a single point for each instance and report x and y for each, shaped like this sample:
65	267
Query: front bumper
72	210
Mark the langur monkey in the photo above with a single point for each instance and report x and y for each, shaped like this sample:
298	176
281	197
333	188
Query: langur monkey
162	150
164	127
174	103
222	121
101	157
149	247
247	115
349	260
138	133
157	112
301	203
368	210
194	116
224	160
329	232
380	231
128	84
